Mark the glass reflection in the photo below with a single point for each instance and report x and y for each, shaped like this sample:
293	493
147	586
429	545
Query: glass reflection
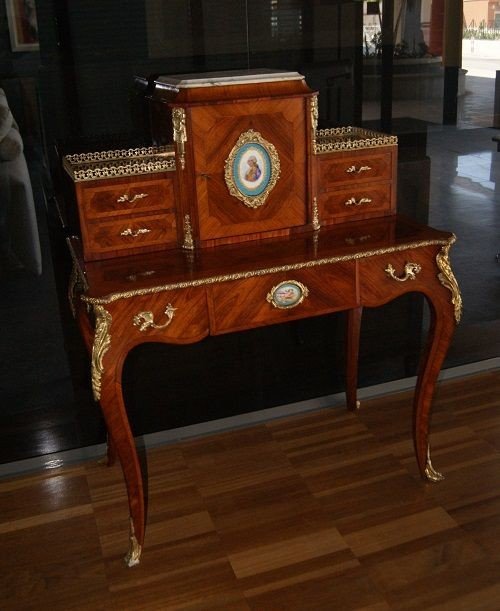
79	94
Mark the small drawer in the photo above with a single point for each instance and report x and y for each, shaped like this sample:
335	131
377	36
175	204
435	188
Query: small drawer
264	300
178	316
129	233
338	170
384	277
125	197
372	199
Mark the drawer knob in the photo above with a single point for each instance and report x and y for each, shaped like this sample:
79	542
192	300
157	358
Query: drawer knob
354	170
134	234
125	198
145	320
287	294
358	202
410	272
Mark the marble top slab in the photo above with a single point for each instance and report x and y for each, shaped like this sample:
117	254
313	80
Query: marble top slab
227	77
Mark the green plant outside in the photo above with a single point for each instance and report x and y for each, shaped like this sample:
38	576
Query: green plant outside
481	32
373	48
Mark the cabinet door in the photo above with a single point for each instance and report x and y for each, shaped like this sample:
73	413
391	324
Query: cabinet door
217	130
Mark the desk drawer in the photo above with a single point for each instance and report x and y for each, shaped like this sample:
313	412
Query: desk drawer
127	196
370	199
178	317
354	168
129	233
275	298
410	270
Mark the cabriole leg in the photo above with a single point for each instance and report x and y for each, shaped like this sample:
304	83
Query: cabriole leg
438	342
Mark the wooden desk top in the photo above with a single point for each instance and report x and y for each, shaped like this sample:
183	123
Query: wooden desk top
113	279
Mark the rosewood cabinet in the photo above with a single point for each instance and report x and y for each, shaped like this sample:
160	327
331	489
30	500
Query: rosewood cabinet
126	204
355	183
244	161
251	217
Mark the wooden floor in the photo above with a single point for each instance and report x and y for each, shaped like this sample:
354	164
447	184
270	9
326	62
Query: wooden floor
319	511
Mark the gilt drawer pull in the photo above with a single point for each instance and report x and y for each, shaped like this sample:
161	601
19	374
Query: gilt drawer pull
358	202
354	170
134	234
125	198
145	320
410	272
287	294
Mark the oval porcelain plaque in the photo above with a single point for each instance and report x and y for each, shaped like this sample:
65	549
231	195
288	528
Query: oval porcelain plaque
287	294
252	169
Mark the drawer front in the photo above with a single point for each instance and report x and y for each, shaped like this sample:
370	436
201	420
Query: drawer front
410	270
129	233
264	300
353	169
178	316
127	197
371	199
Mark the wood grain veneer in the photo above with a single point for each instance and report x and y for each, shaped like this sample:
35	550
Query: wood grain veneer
365	177
217	128
108	207
129	233
243	304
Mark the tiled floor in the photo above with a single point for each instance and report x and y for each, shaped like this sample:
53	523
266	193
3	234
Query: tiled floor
475	106
465	198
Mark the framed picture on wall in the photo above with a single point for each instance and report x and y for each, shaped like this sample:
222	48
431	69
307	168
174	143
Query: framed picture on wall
23	26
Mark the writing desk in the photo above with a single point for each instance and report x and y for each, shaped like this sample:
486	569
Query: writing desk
181	297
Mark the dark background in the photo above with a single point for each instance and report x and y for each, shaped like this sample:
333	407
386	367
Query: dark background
78	94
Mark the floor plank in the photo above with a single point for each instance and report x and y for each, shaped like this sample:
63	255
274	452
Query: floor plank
323	510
